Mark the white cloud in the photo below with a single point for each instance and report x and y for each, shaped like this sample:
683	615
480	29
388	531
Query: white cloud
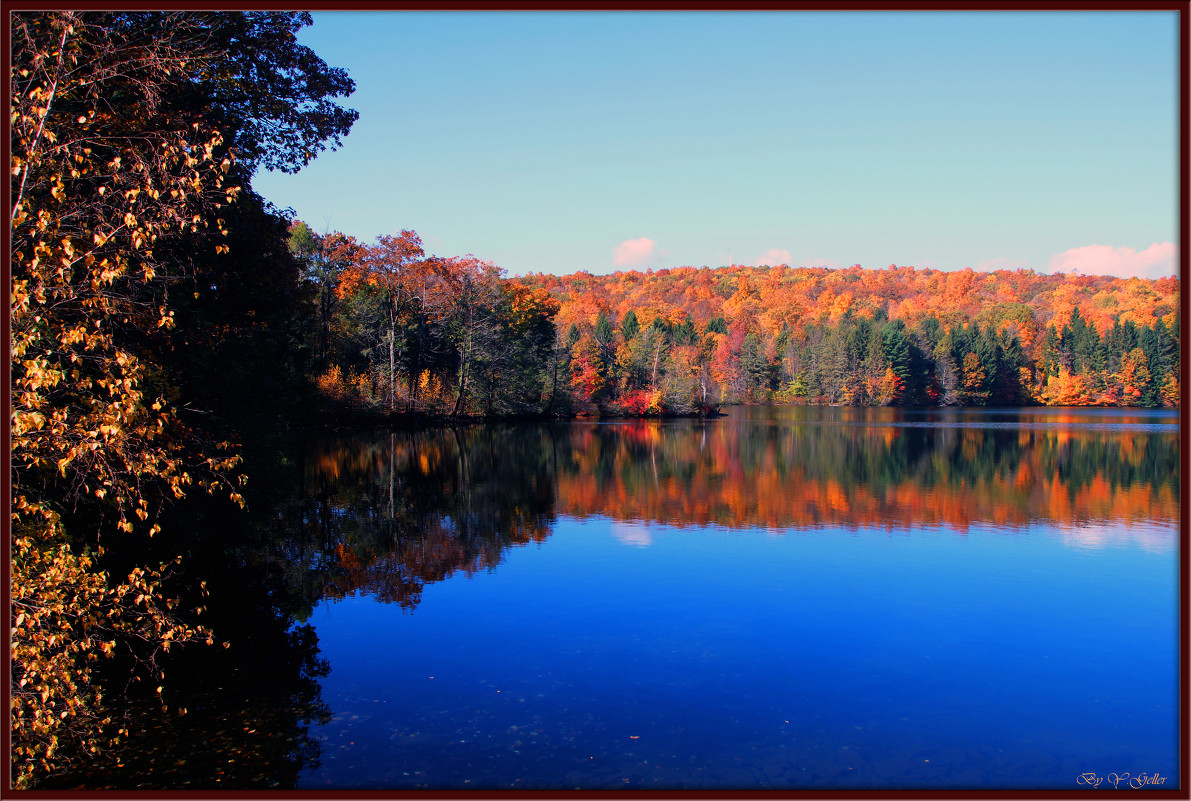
1156	261
633	252
773	257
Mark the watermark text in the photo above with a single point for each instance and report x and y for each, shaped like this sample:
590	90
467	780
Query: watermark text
1119	780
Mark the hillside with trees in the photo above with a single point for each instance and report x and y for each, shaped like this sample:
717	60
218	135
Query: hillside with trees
404	331
896	336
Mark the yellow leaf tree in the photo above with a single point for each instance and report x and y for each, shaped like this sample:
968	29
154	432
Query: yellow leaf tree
125	129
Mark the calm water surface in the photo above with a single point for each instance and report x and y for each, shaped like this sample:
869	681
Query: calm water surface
781	598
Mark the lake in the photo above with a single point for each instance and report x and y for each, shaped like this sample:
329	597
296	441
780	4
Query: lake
779	598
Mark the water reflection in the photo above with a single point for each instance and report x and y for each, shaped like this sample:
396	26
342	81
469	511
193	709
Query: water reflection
823	468
229	718
632	534
866	657
1149	538
386	513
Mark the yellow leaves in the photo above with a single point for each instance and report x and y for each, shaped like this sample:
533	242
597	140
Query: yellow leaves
24	422
39	374
62	603
77	411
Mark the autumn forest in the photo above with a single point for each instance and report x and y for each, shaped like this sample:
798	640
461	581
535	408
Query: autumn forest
402	331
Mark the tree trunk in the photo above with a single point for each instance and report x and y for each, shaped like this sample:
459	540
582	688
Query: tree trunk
464	363
325	328
553	382
392	365
415	367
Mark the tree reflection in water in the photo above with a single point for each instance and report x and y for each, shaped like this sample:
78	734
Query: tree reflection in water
387	513
248	708
867	468
384	513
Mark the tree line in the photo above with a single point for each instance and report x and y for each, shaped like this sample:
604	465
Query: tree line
398	330
685	338
402	331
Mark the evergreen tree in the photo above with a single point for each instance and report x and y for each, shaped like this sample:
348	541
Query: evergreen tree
629	325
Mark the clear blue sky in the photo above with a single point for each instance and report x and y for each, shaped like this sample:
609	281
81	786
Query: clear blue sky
547	141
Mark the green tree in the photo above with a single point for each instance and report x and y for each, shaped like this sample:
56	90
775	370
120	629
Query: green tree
755	366
629	326
686	333
322	260
1079	342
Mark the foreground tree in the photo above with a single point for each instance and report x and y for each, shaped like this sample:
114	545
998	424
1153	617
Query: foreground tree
126	131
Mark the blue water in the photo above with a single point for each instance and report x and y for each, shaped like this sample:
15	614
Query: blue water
721	659
620	653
